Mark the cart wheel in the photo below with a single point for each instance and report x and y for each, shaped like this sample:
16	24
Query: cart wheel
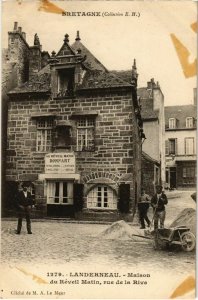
188	241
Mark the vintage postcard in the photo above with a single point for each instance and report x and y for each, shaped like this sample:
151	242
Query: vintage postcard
98	158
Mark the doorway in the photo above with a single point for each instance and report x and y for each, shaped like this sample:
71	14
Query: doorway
173	178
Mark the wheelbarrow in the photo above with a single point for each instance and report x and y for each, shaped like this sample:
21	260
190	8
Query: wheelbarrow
181	236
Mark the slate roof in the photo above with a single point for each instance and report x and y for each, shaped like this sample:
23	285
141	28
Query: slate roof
147	111
95	79
149	158
180	113
144	93
40	83
97	76
91	61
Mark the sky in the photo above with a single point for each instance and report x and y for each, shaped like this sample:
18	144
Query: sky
117	40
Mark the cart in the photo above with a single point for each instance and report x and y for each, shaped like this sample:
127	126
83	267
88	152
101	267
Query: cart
181	236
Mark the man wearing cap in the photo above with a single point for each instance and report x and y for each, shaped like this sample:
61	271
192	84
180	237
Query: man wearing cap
24	202
158	202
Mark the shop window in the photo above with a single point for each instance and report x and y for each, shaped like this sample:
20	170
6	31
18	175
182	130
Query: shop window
85	134
189	146
189	122
59	192
44	135
65	83
172	123
102	197
189	172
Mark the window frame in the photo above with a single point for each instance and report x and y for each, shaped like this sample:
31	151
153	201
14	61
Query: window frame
86	128
43	138
107	196
189	122
193	145
53	192
172	126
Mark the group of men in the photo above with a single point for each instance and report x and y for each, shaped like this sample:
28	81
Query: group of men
158	202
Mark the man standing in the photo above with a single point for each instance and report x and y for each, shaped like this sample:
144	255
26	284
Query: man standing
143	206
158	202
24	204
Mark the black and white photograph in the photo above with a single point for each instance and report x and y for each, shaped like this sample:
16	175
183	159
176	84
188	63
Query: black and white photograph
98	149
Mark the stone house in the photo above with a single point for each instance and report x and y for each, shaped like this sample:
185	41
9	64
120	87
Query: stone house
74	132
180	145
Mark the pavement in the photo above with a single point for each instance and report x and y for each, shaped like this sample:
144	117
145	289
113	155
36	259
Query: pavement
58	245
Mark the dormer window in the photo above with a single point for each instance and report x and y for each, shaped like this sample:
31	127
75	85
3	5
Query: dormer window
189	122
172	123
65	82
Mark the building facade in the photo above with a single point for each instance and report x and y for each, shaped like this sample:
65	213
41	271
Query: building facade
181	146
74	133
151	100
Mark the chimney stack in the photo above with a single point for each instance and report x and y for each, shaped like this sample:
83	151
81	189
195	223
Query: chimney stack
20	29
78	36
15	26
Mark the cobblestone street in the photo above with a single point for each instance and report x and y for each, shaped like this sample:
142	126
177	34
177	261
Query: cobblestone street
60	242
59	246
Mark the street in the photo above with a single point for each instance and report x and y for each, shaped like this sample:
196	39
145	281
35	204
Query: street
32	264
55	241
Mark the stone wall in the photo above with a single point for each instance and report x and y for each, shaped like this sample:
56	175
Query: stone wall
18	52
117	150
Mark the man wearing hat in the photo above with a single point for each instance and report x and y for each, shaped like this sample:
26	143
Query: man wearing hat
158	202
24	202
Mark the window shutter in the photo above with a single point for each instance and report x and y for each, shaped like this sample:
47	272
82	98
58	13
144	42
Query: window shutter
78	196
167	147
124	198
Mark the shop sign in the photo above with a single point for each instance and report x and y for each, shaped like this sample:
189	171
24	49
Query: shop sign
57	163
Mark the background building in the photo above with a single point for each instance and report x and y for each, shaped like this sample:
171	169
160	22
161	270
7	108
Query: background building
151	100
181	145
74	132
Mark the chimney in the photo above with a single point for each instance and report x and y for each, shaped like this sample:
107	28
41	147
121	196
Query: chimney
151	84
77	36
15	26
20	29
66	39
24	35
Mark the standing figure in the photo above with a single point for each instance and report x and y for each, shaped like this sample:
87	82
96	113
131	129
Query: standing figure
158	202
24	203
143	206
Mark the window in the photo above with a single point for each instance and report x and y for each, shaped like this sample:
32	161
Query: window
171	147
85	134
59	192
44	135
189	122
65	82
172	123
189	172
189	146
102	197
